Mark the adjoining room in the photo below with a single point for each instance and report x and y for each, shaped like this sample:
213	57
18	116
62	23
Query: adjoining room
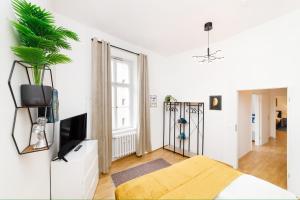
262	132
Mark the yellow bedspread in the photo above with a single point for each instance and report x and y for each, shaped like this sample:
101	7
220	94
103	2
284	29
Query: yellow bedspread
195	178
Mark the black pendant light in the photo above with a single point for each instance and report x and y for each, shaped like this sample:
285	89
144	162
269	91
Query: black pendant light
209	57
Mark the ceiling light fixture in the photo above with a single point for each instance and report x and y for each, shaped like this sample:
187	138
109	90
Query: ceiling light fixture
209	57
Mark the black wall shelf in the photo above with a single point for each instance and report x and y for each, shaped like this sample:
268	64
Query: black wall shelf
18	107
183	127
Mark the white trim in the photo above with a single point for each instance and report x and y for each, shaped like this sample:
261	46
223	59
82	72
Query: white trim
122	131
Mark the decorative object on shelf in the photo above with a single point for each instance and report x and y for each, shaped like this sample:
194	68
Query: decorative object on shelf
55	107
32	111
182	136
170	98
35	95
209	57
215	102
39	130
40	42
183	121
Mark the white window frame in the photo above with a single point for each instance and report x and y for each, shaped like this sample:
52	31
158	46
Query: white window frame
130	86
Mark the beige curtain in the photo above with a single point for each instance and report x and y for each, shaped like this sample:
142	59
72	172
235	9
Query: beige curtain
143	133
101	102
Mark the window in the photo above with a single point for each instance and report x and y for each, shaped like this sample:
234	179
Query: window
123	93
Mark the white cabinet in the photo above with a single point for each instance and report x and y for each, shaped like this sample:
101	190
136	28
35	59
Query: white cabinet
77	178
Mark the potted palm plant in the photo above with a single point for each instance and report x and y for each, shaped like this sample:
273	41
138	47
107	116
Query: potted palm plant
40	43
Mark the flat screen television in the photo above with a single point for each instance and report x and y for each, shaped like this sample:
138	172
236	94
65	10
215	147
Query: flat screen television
72	132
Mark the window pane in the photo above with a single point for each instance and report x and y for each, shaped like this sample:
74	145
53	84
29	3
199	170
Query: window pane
122	73
122	97
112	71
114	125
113	103
123	117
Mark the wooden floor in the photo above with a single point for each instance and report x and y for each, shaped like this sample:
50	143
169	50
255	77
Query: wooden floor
106	188
268	162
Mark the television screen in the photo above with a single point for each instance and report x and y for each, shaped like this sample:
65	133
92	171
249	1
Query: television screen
72	132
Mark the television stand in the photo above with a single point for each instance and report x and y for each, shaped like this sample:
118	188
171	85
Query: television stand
77	178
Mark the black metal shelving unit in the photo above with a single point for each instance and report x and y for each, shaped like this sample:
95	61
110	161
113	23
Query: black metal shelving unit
18	107
193	130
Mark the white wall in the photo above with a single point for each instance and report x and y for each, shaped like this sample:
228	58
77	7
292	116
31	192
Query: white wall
24	176
27	176
263	57
244	123
273	116
265	118
73	80
256	127
253	111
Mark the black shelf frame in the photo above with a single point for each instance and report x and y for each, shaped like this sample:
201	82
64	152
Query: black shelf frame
185	110
27	150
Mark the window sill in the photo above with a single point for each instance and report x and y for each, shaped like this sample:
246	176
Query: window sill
120	131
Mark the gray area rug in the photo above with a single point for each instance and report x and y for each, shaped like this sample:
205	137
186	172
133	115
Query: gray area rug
140	170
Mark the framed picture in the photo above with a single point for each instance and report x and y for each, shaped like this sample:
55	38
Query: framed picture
153	101
215	102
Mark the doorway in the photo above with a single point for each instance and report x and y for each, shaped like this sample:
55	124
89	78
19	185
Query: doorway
256	123
262	134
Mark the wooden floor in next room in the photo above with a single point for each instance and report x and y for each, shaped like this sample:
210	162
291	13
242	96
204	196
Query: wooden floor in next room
268	161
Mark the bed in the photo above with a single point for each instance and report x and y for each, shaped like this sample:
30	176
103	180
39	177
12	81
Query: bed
250	187
199	178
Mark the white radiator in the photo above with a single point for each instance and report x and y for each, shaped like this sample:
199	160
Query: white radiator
123	144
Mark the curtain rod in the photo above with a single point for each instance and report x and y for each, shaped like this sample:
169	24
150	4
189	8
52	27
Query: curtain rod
120	48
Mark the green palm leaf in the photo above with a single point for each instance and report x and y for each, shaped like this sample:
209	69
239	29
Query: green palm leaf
28	38
37	25
57	58
40	39
21	28
23	8
30	55
67	33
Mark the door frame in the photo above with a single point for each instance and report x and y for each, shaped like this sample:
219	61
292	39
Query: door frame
236	165
258	120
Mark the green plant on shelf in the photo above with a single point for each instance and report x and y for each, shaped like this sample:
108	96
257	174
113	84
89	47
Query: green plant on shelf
182	121
182	136
40	40
170	98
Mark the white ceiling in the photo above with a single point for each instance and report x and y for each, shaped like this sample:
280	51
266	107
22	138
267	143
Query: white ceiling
173	26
